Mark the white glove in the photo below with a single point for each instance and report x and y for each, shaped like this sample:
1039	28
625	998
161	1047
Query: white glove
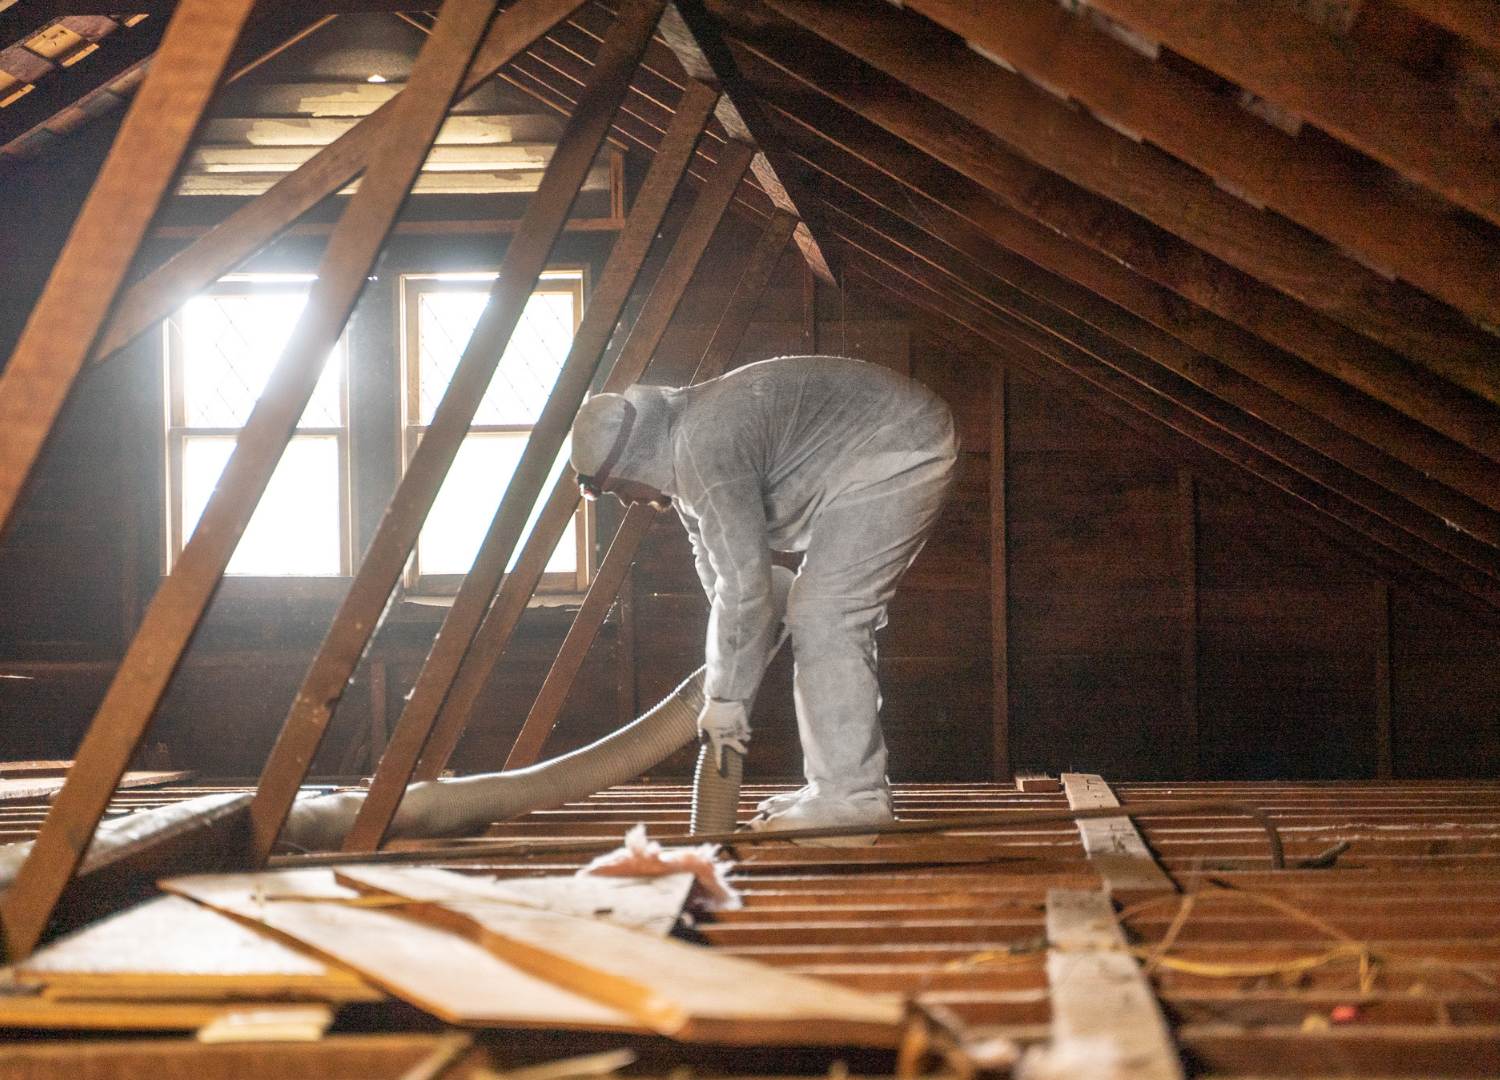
724	725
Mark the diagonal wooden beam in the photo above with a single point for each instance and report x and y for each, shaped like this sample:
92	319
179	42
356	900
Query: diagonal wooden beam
260	221
1058	303
605	588
958	211
178	606
360	612
1158	187
1070	212
506	613
1363	99
1477	21
1317	189
695	36
1146	391
1179	387
135	176
626	259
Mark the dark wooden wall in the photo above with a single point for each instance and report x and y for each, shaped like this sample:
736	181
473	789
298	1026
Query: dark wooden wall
1159	625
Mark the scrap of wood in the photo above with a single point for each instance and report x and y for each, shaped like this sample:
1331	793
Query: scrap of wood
1098	989
41	783
45	1014
446	975
1113	844
1036	782
675	989
172	949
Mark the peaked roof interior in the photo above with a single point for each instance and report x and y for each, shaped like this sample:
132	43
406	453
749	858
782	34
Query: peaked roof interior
1265	232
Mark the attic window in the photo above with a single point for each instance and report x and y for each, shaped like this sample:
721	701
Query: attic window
220	349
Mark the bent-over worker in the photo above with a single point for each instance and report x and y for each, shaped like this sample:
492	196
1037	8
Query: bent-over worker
841	460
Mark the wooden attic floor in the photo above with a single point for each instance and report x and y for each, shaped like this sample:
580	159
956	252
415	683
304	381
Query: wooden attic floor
1262	975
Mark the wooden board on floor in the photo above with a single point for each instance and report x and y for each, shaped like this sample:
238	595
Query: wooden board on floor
173	949
1113	844
445	974
44	783
680	990
40	1013
1099	991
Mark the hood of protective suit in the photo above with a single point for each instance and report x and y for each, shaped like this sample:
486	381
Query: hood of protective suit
643	415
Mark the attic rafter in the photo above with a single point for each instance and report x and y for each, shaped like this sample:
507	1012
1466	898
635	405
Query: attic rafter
1208	417
1156	186
695	36
1474	20
1394	547
932	196
1365	100
1064	209
1319	190
92	267
870	197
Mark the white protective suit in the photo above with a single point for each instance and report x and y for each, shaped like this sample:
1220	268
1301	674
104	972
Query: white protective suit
844	461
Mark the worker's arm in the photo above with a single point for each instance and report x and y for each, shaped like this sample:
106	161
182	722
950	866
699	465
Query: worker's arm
730	531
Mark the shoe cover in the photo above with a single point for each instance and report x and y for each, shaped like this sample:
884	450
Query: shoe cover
816	811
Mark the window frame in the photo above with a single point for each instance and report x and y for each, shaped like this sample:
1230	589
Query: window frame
177	431
570	278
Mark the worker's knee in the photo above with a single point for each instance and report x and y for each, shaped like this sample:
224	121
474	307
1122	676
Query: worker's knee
820	618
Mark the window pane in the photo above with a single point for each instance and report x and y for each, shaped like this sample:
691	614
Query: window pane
467	503
230	343
295	529
527	370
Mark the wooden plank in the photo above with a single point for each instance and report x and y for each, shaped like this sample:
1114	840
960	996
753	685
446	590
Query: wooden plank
257	223
675	989
385	556
506	612
178	606
1330	82
1477	21
13	788
457	636
1000	764
46	1014
1161	189
124	859
437	971
1318	190
541	719
1113	844
1176	267
170	948
1187	546
1098	991
695	36
52	348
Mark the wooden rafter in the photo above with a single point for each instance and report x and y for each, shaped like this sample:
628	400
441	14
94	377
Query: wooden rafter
456	637
966	328
1269	48
178	606
1058	304
109	229
1312	187
1149	182
1162	258
958	212
695	35
525	258
1147	392
1251	439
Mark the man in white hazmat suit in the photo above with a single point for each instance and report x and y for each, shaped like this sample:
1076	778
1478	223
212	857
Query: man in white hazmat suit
841	460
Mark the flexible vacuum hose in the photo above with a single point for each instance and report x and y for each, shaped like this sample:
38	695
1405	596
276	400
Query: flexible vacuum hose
433	808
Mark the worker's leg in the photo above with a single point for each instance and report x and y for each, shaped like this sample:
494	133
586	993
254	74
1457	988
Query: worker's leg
863	541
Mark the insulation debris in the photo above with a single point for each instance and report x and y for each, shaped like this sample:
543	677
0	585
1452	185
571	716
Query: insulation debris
640	856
